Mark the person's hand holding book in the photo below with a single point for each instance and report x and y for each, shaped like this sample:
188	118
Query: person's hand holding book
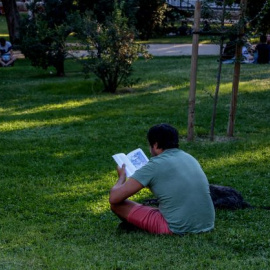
122	173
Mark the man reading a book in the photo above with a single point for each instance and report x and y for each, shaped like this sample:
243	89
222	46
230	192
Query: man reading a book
178	182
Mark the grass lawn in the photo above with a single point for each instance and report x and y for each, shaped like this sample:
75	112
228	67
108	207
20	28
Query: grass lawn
57	136
3	27
177	40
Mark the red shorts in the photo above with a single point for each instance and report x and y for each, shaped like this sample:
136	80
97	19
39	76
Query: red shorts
148	219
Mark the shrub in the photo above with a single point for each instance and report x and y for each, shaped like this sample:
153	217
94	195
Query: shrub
112	50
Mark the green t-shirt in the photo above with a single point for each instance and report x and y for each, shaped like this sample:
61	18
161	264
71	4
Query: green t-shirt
182	189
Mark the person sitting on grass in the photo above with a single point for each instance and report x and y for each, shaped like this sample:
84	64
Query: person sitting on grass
262	51
228	55
178	182
7	58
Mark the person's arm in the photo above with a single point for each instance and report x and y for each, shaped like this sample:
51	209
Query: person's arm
123	188
12	58
9	47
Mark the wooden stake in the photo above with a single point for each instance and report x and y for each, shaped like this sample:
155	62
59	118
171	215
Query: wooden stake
236	76
213	121
193	74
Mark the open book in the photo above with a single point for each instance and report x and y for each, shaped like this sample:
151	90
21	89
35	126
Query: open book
133	160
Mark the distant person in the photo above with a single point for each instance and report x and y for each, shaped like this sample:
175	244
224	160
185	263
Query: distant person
268	39
229	50
206	26
246	56
262	51
183	29
228	55
7	58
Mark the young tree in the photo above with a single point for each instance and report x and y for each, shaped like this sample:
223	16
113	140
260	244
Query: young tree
114	50
13	19
221	34
44	34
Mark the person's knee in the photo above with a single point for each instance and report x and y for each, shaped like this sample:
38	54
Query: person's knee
122	209
117	210
112	206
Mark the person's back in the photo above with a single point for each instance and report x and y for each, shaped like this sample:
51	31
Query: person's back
182	30
6	52
263	51
182	189
5	46
229	51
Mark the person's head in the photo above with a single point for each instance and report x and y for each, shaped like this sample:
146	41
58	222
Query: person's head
184	23
163	136
232	37
263	38
2	41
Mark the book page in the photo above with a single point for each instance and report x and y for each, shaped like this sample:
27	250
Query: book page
138	158
121	159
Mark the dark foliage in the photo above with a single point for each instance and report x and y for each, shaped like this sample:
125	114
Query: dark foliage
258	14
44	33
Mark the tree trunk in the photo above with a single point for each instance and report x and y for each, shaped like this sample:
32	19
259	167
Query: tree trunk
13	20
219	73
236	77
60	68
59	61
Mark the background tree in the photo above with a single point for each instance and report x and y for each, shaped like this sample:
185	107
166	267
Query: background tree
146	16
259	13
44	34
149	16
100	8
173	16
115	50
13	20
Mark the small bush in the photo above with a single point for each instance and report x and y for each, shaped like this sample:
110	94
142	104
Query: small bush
112	50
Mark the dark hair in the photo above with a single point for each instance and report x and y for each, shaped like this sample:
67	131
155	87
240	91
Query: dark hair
164	135
263	38
2	41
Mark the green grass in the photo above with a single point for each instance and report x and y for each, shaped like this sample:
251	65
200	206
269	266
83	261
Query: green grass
3	26
57	136
176	40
